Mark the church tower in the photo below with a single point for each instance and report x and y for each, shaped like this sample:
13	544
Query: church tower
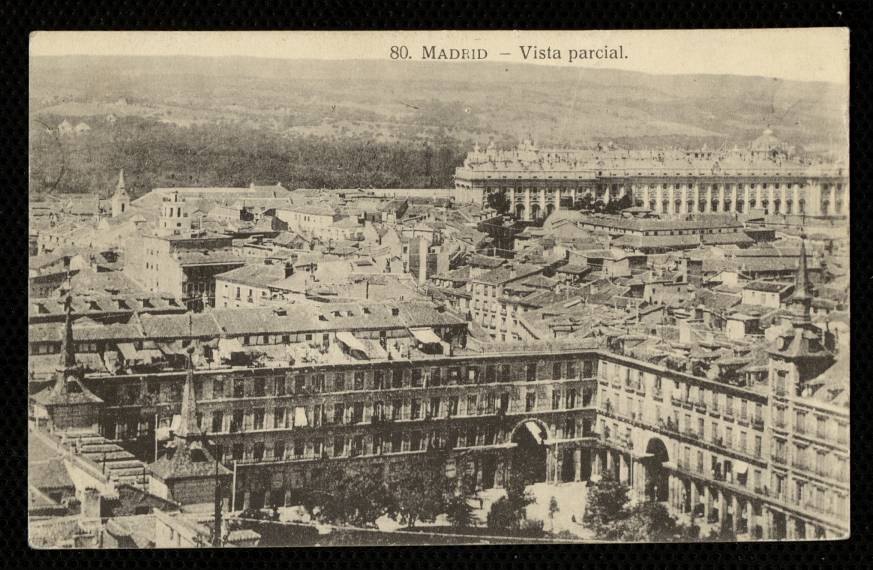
121	199
798	354
67	405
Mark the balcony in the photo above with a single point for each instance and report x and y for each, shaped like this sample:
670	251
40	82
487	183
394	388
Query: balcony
658	396
700	407
715	412
758	423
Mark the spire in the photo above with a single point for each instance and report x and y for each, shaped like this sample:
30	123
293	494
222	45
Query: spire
120	186
188	424
801	300
68	349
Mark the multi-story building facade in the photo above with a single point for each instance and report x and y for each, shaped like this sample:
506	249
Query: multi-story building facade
282	394
763	177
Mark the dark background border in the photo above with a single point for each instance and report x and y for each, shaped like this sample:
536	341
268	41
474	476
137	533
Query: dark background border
20	19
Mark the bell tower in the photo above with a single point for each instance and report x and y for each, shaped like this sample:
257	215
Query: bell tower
120	199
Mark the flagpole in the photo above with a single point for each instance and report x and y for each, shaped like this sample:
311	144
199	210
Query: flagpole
156	436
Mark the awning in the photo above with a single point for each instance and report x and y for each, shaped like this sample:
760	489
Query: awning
128	351
229	345
536	432
350	341
425	336
300	419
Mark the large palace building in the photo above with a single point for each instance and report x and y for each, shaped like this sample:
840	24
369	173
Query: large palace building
279	394
767	177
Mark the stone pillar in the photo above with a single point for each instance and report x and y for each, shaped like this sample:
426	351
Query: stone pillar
751	519
810	531
557	199
783	200
707	208
646	195
722	508
641	469
683	207
767	523
832	210
795	199
671	205
527	204
707	503
610	462
790	528
623	468
596	466
720	207
735	515
512	199
542	200
770	200
746	198
695	498
734	197
247	497
696	192
606	195
759	195
659	200
671	491
813	198
577	464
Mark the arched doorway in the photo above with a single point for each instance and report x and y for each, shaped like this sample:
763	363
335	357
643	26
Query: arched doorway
535	212
657	476
549	209
530	455
519	211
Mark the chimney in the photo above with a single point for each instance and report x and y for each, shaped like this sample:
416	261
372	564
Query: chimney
289	269
90	505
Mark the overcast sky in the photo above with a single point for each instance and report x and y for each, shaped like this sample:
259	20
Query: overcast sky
814	54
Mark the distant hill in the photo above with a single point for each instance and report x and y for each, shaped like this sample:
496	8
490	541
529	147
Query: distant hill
424	108
563	105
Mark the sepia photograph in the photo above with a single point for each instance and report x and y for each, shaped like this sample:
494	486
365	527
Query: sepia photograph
426	288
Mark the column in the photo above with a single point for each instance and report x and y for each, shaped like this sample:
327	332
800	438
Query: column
707	503
735	517
813	198
659	200
759	195
832	210
527	204
707	207
770	199
696	192
767	524
557	199
671	491
722	508
734	197
512	199
596	467
622	469
720	207
746	198
683	207
695	497
752	520
606	195
577	464
646	195
542	198
795	199
790	528
671	205
810	531
610	462
783	200
641	468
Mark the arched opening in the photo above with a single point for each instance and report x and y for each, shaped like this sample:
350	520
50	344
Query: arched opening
740	206
535	212
519	211
530	454
657	476
549	209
